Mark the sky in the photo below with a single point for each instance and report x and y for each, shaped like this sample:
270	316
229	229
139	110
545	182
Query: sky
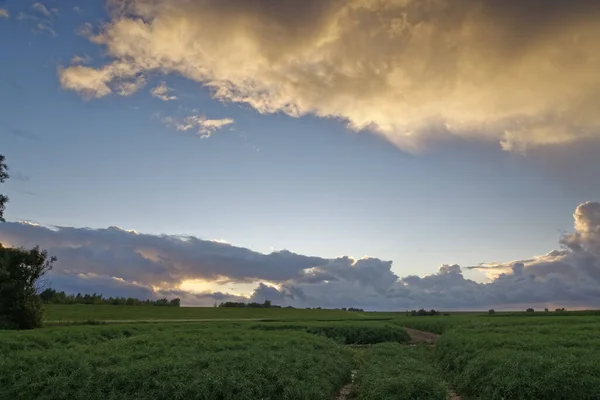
317	153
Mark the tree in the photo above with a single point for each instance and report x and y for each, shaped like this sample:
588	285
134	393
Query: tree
21	272
492	312
530	310
3	177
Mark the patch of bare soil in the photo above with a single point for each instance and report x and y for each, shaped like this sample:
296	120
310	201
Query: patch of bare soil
417	337
453	396
347	388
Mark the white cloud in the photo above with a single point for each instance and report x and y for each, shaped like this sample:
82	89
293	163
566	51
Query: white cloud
121	262
162	92
76	60
206	127
39	7
119	77
3	13
77	9
520	73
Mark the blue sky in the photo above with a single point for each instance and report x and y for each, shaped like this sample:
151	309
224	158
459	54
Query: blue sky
268	181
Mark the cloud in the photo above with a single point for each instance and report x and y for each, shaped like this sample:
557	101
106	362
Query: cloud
129	263
80	60
20	176
162	92
3	13
41	25
39	7
23	134
578	259
119	77
518	73
206	127
77	9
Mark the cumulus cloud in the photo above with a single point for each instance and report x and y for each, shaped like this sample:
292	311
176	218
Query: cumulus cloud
520	73
3	13
578	260
115	261
162	92
206	127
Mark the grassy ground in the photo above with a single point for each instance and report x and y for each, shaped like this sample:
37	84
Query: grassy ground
299	354
189	361
523	358
82	312
357	332
391	371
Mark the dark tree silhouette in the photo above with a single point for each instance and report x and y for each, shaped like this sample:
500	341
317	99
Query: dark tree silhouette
21	271
3	177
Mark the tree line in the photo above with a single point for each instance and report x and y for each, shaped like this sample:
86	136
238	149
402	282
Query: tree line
51	296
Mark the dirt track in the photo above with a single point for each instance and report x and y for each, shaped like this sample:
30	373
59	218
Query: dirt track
416	337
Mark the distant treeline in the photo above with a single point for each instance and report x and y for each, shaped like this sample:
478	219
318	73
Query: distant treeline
267	304
233	304
423	313
51	296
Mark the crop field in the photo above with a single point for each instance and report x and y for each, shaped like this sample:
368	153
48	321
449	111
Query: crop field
170	361
524	358
82	312
219	353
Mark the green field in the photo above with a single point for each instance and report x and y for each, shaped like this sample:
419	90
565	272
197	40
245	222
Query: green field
221	353
82	312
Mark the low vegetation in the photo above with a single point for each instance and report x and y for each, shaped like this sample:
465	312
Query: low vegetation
189	361
523	358
345	332
391	371
82	312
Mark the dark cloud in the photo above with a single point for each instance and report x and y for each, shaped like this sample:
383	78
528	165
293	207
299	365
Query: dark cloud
114	261
155	259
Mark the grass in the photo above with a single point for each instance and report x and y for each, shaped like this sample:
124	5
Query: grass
345	332
82	312
199	361
392	371
523	358
221	353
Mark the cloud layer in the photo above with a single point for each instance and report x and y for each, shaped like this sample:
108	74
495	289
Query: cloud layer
521	73
114	261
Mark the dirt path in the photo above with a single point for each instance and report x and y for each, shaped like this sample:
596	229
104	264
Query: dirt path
347	388
417	337
422	337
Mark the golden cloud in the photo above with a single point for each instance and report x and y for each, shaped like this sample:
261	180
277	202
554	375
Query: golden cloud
520	73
